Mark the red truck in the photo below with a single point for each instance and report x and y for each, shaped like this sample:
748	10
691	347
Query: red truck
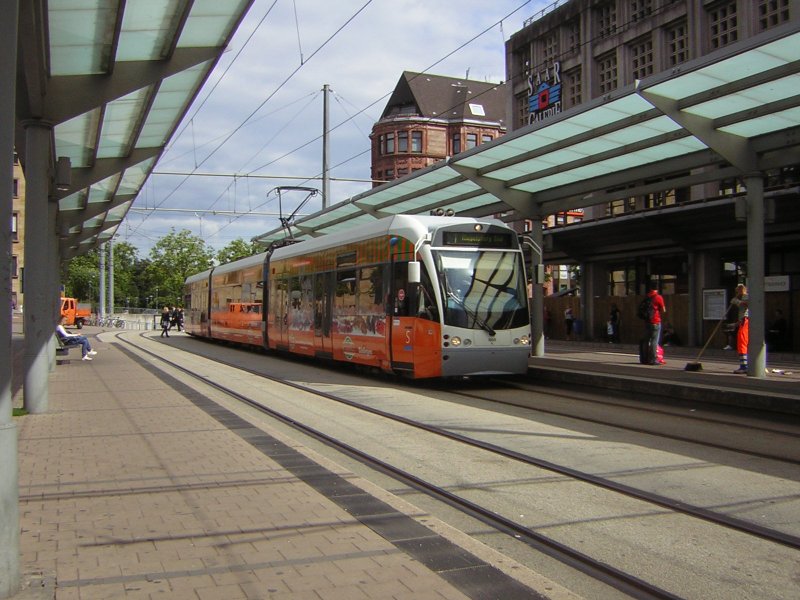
76	314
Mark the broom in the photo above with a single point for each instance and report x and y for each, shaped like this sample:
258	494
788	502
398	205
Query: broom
697	365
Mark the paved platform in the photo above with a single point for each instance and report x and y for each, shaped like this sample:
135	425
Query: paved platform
616	367
135	485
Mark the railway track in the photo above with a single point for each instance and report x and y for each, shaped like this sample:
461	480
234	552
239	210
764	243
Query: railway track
627	581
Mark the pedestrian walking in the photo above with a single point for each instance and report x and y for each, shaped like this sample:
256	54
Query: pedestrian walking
569	321
166	319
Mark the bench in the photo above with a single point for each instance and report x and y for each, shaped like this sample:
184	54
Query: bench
63	349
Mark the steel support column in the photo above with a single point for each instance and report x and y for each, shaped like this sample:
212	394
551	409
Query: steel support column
9	474
38	285
756	350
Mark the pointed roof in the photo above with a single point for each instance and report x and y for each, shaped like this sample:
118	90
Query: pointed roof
450	98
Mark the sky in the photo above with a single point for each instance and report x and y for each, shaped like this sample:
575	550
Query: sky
257	122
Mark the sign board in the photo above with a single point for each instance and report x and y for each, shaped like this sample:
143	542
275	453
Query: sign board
715	303
544	94
776	283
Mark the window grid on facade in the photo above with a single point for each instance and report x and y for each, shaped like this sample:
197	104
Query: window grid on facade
642	58
550	47
607	19
772	13
472	140
607	72
574	36
641	9
722	22
677	44
456	143
15	227
573	87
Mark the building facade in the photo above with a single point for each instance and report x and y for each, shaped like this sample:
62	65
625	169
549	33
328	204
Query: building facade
581	50
429	118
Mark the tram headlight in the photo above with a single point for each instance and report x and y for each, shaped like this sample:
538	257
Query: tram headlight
455	341
522	340
468	342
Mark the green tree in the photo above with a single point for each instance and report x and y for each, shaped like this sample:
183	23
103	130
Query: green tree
172	259
237	249
80	276
126	286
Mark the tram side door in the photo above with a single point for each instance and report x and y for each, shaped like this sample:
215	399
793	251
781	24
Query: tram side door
401	343
279	307
323	284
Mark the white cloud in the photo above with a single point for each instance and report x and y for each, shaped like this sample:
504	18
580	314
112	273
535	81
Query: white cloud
361	63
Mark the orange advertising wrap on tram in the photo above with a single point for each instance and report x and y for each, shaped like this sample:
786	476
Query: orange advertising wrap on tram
420	296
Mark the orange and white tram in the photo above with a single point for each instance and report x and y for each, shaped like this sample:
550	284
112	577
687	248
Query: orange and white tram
422	296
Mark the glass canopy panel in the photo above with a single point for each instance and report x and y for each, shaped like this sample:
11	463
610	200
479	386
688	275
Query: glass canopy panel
611	112
147	29
473	203
80	35
210	22
118	213
119	121
348	225
751	62
168	106
488	157
94	223
134	177
784	119
74	201
102	191
76	138
316	221
780	89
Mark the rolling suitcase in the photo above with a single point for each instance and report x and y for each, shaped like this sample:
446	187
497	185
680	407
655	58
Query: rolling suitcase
644	352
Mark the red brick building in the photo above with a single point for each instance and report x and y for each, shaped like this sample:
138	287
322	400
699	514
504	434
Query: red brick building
429	118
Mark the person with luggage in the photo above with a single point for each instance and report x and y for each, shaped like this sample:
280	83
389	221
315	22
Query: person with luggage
650	310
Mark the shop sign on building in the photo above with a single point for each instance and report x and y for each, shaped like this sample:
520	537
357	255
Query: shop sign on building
544	94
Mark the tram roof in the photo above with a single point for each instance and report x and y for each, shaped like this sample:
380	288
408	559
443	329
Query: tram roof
733	112
114	80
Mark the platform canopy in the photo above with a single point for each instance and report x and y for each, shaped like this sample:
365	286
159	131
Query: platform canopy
113	80
733	112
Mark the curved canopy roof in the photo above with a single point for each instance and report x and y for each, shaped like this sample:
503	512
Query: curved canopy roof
729	113
114	80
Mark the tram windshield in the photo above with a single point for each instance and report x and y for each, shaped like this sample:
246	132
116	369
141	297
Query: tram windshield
483	290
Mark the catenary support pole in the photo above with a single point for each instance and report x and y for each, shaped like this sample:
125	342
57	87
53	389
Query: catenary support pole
102	285
326	147
9	474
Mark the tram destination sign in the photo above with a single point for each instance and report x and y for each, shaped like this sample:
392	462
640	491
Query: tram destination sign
477	239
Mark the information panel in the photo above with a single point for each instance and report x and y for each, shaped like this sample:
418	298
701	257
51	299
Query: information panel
715	303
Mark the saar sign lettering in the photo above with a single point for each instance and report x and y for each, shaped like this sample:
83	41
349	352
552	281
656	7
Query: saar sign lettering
544	94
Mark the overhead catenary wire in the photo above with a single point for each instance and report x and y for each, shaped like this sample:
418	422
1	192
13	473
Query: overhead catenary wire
251	116
269	97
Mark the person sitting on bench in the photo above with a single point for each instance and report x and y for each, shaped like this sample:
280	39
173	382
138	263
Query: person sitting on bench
70	339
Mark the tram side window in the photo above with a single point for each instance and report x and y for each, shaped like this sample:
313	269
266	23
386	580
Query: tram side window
370	291
417	300
427	301
345	293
